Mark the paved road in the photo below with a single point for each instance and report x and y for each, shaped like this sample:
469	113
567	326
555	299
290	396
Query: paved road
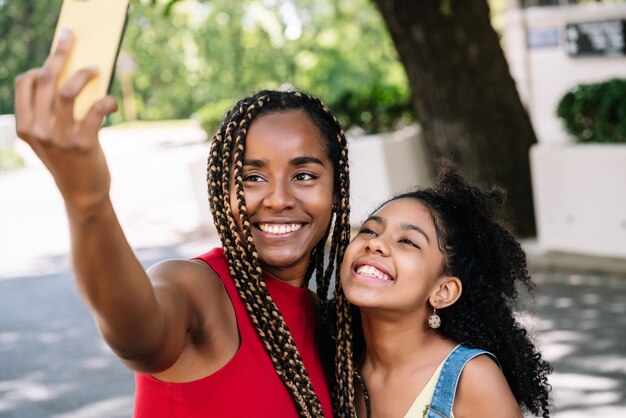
54	364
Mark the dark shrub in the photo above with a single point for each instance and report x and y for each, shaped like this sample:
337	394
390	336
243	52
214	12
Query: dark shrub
595	112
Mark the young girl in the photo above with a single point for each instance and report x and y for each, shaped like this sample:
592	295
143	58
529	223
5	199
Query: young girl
434	277
233	332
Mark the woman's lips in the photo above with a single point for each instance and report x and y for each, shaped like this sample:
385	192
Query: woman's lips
279	229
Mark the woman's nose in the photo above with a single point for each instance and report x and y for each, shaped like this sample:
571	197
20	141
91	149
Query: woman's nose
279	197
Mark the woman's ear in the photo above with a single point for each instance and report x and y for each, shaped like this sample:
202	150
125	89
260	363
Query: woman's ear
446	292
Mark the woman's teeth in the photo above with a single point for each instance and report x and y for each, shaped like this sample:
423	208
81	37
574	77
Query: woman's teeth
373	271
279	229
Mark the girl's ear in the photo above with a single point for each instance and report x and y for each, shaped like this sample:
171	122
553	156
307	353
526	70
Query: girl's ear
447	291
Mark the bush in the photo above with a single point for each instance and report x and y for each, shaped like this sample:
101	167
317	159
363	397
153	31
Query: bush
211	115
595	112
10	159
374	108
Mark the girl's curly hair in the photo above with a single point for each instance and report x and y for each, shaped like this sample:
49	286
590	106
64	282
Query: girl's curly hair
490	263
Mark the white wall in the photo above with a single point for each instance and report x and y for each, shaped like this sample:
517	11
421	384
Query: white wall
384	165
579	198
544	74
7	131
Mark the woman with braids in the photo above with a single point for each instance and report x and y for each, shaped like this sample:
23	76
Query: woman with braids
232	333
434	278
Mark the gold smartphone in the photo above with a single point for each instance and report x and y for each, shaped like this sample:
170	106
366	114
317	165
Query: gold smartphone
98	28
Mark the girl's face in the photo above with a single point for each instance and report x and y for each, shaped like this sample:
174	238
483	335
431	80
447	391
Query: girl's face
288	188
394	261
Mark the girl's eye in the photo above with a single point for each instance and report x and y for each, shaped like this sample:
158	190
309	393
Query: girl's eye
409	242
367	231
304	176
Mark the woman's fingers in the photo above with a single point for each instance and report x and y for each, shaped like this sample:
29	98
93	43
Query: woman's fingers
46	84
93	120
65	125
24	97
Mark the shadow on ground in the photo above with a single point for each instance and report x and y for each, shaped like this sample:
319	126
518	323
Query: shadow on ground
581	321
53	362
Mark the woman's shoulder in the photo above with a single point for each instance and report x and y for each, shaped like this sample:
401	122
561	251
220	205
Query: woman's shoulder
196	279
182	271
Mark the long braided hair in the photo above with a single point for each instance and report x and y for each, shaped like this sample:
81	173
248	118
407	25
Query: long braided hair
226	162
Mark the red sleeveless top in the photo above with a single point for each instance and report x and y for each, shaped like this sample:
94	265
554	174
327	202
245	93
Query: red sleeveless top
247	386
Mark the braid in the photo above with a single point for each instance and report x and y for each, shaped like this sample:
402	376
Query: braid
226	163
343	398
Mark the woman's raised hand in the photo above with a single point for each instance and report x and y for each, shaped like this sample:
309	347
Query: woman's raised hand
69	148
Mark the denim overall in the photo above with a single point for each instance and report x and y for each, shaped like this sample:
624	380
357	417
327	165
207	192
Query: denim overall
445	390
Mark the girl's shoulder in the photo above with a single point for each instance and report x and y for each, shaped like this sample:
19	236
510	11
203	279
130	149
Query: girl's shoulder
484	391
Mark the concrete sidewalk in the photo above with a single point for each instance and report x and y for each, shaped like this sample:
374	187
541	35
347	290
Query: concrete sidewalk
158	190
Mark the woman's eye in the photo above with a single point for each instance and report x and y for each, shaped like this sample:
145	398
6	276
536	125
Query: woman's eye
304	176
409	242
253	178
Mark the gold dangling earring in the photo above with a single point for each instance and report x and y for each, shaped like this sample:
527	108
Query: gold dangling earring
434	321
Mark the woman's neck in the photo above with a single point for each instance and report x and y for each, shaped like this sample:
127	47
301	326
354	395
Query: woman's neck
291	276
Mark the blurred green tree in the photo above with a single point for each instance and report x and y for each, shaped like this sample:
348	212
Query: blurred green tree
339	51
26	29
204	55
164	77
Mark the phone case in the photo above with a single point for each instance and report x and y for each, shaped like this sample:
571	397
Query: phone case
98	27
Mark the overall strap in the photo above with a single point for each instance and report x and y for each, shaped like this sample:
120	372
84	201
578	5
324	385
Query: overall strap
445	390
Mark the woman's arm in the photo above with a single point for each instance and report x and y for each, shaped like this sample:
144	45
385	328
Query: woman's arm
137	321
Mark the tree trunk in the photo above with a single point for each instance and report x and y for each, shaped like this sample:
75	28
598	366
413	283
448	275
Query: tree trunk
464	96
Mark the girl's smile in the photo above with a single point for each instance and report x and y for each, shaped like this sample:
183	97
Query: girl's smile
371	269
394	260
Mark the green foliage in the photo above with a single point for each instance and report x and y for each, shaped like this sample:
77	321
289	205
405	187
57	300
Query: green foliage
595	112
193	56
339	51
376	107
212	115
10	159
26	30
163	81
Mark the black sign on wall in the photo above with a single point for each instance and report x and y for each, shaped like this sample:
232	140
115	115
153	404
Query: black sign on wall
606	37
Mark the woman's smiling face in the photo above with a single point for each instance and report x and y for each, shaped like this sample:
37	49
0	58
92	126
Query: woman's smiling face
288	188
394	261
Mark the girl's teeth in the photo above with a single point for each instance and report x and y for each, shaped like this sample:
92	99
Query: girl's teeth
279	229
373	271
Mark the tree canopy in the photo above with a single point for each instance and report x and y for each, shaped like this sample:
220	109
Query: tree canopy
202	56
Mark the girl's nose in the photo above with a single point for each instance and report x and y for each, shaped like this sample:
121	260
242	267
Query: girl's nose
376	245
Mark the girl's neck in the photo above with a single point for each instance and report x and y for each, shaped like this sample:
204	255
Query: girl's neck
393	343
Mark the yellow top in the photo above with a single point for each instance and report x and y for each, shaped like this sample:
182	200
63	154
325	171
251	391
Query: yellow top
426	395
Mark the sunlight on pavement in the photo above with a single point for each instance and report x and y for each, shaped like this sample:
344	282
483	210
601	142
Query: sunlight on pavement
107	408
158	190
28	389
